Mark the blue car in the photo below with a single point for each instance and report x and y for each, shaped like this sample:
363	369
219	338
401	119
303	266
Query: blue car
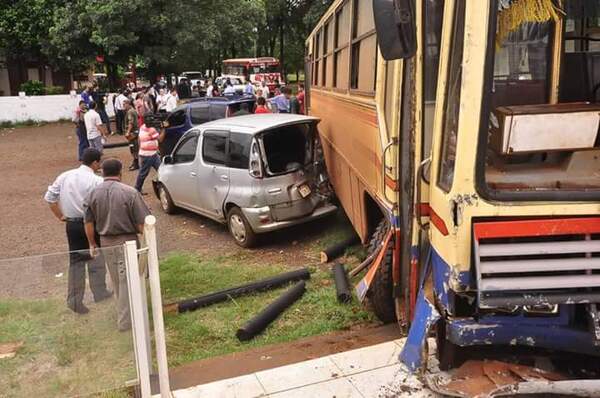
202	110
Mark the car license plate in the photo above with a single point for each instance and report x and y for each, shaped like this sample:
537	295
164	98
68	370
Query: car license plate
304	190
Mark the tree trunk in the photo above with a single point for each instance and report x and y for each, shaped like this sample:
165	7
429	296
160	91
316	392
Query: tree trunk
281	45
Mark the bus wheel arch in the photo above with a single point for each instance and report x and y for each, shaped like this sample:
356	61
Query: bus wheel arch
381	290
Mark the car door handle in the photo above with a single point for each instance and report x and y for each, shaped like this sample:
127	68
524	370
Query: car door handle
193	174
224	178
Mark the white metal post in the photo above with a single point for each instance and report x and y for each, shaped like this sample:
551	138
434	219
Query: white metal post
157	313
141	343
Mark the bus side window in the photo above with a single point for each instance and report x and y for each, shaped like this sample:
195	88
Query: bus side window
452	101
432	21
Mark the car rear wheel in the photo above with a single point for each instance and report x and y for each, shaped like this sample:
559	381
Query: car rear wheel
381	290
166	203
240	229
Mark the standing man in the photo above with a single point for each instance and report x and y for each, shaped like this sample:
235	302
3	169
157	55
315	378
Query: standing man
210	88
265	89
100	100
86	95
281	102
172	101
249	89
131	133
80	128
300	98
96	132
117	212
66	198
120	111
149	139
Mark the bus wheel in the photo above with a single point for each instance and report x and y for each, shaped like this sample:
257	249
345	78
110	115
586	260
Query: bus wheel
380	293
449	354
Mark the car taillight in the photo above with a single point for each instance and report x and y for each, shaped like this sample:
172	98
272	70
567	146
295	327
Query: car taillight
255	161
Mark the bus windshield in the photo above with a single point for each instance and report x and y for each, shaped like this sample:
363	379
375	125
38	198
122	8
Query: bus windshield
236	70
541	135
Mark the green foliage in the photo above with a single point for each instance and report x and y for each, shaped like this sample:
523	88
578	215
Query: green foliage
33	87
53	90
157	35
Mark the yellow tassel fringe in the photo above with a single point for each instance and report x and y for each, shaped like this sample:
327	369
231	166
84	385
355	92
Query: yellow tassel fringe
521	11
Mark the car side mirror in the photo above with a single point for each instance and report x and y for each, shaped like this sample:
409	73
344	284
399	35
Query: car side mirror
395	26
168	159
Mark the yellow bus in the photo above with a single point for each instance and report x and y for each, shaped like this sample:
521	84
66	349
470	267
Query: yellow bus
461	137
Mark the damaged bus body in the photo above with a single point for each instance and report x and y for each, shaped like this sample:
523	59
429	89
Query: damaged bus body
468	130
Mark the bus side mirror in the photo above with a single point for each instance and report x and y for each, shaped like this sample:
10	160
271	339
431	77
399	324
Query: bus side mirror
395	25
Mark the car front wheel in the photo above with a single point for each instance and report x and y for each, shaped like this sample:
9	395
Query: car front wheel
240	229
166	203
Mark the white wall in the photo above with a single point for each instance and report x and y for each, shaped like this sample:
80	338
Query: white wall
47	108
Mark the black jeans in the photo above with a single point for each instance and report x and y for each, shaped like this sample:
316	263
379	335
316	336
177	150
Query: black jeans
79	256
120	117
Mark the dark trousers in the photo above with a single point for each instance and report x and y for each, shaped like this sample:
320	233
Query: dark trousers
120	116
105	119
79	256
83	141
146	163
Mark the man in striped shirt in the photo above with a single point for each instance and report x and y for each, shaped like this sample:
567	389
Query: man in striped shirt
148	157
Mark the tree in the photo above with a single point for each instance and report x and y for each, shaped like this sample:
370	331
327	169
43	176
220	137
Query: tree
24	26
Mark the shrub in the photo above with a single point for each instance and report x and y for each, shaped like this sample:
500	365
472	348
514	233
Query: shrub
33	87
53	90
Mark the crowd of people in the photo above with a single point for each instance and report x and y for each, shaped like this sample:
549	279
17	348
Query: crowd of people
103	211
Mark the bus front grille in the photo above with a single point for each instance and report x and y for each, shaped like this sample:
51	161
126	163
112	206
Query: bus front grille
537	262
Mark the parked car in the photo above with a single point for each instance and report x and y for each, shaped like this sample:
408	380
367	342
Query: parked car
237	83
255	173
202	110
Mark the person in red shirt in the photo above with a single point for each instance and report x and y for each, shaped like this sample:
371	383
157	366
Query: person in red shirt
261	106
300	98
148	157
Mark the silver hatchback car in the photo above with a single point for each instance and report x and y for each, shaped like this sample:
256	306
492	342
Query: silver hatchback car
256	173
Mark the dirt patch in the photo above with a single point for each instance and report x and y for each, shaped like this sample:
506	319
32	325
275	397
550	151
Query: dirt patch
241	363
32	157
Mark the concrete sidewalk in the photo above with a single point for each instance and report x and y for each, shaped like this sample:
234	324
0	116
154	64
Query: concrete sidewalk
366	372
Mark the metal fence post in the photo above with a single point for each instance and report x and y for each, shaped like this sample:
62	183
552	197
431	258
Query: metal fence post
140	340
157	313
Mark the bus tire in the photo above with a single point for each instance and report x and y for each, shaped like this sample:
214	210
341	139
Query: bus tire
381	289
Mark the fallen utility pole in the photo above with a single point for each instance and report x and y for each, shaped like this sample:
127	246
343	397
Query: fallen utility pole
220	296
342	287
338	249
260	322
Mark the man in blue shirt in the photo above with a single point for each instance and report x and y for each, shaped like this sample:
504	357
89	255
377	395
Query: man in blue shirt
249	89
281	102
86	96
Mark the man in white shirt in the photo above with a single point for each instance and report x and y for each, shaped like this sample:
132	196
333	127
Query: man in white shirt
265	90
66	198
96	131
161	100
120	111
172	101
229	89
210	89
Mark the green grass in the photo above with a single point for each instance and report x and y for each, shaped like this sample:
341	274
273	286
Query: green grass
210	331
6	124
64	354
